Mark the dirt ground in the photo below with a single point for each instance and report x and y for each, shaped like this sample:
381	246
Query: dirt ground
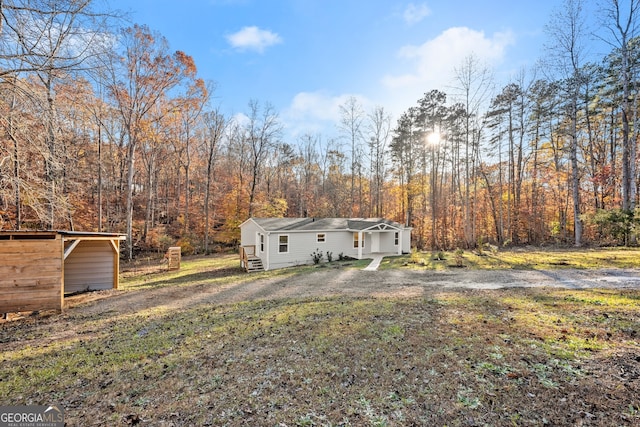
324	282
239	363
352	282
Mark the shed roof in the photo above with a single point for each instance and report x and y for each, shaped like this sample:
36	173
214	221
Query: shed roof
90	234
323	224
64	233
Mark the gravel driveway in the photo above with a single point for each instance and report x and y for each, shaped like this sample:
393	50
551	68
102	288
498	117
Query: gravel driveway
330	281
325	282
406	282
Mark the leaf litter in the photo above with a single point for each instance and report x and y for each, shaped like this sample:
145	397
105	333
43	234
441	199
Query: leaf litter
457	357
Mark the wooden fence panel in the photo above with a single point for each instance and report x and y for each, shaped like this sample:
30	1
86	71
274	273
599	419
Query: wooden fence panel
31	275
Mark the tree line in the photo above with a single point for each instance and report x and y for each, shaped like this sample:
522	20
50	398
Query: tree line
106	129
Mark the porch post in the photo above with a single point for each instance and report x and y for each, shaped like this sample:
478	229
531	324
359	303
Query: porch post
267	247
400	233
360	244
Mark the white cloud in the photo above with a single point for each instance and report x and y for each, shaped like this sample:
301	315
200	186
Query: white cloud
240	119
427	66
253	38
313	112
318	105
431	65
436	59
415	13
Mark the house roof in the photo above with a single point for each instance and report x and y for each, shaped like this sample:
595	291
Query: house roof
325	224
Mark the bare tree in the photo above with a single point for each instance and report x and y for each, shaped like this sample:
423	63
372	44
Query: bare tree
140	78
621	19
379	123
432	115
189	108
474	82
508	116
43	35
406	147
543	101
325	150
153	151
567	31
215	124
261	133
351	120
51	40
308	166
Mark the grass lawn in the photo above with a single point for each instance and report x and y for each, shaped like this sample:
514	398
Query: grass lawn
520	258
516	357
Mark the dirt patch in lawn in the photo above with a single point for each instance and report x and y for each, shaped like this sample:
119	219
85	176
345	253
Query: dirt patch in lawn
322	282
338	346
328	281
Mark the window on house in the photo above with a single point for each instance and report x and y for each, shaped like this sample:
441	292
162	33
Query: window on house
320	237
261	242
356	240
283	243
396	238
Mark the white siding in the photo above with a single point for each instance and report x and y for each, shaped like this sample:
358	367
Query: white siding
387	242
406	241
303	244
248	233
90	266
339	242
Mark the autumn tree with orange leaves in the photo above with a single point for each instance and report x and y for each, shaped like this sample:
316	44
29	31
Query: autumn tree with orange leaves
130	143
141	78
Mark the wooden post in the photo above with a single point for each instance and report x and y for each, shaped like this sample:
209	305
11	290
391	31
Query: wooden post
174	255
115	244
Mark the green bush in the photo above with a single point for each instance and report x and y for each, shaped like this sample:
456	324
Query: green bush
620	225
317	256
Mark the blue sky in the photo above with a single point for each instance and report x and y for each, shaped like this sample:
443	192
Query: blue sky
306	57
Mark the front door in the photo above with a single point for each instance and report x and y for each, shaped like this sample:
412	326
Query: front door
375	242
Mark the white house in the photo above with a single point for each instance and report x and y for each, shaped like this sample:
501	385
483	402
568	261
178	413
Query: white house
270	243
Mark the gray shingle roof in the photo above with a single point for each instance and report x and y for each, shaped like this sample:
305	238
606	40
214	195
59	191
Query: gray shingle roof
322	224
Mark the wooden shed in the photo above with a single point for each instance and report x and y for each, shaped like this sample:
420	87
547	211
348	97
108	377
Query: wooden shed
37	268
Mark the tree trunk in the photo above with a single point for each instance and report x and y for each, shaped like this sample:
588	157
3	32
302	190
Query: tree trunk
575	177
129	193
99	177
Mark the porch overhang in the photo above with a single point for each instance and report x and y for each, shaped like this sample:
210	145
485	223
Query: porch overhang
380	227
